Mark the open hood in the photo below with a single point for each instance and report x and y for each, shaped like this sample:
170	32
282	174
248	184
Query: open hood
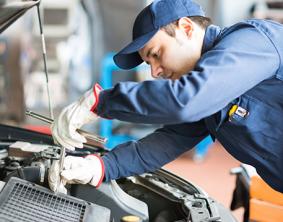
11	10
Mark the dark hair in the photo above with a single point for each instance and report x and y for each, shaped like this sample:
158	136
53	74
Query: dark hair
203	22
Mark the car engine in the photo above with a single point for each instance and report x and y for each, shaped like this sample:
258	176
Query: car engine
26	156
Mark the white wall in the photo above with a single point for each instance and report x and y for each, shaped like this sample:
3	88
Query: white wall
227	12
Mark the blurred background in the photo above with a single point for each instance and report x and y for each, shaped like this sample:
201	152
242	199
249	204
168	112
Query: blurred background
81	38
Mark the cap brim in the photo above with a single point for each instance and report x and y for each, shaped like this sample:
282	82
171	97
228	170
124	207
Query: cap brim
129	57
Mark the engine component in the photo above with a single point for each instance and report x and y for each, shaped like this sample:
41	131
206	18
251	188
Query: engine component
22	149
113	197
31	174
24	156
27	202
130	218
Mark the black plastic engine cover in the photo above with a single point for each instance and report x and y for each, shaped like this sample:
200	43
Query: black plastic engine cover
23	201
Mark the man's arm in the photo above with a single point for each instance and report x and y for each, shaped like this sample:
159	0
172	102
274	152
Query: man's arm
240	61
153	151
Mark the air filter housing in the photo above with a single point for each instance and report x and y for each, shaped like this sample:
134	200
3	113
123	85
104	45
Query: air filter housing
23	201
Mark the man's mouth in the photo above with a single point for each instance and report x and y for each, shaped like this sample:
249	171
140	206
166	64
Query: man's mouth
167	76
170	76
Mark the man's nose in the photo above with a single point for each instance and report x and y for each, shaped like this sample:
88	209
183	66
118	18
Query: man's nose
156	70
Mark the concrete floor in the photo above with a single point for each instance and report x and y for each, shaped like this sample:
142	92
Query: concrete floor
211	174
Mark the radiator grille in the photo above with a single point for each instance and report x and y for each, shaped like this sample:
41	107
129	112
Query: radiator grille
28	203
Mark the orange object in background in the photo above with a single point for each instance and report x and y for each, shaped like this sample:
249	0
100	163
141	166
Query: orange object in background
266	204
40	129
261	202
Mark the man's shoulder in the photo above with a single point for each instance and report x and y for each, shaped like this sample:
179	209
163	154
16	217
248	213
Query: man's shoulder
244	24
250	24
249	29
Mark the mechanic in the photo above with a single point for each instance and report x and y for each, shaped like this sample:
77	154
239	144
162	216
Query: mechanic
226	83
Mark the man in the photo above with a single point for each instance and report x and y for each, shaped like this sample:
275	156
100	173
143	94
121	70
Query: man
224	83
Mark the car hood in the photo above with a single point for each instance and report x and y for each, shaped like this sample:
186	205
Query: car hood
11	10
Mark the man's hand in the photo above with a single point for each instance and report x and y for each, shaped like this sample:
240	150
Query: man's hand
77	170
54	179
74	117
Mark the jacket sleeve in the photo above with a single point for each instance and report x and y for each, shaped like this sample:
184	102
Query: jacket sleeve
153	151
238	62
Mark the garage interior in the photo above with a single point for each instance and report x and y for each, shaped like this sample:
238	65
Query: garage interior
99	28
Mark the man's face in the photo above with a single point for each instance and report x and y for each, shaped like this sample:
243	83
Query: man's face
171	57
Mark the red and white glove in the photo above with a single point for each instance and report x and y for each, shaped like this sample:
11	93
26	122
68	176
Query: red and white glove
74	117
78	170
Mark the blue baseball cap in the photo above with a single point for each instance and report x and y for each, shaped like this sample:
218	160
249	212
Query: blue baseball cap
156	15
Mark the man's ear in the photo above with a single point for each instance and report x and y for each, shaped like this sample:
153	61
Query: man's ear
186	25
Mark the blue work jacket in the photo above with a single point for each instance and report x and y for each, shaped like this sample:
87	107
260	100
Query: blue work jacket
234	94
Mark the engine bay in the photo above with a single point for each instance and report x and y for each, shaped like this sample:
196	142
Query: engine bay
158	196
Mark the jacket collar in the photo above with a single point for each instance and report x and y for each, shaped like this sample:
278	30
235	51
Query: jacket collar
211	34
